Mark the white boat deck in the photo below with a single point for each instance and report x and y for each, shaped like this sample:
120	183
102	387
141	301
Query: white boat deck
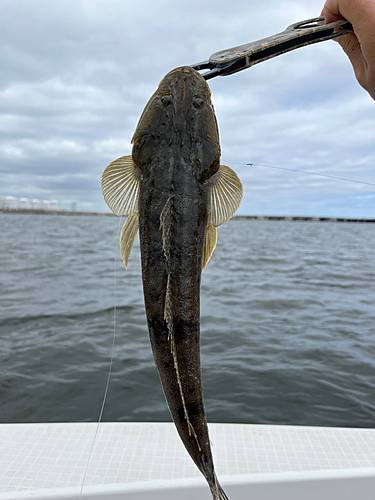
55	457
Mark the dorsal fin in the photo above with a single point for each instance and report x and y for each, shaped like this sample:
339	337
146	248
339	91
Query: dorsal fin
166	228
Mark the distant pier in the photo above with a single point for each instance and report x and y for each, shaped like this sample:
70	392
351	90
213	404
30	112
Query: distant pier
300	218
292	218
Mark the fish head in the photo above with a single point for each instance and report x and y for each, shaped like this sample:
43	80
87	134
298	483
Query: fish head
179	122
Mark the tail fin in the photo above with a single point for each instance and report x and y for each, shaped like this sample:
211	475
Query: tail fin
217	492
207	469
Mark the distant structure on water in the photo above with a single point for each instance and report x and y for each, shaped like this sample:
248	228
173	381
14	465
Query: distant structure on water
13	203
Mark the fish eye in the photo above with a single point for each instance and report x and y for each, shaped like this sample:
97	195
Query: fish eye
198	102
166	100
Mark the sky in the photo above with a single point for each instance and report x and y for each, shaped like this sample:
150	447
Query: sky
76	75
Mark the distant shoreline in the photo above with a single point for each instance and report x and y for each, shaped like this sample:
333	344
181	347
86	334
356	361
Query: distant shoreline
236	217
308	218
54	212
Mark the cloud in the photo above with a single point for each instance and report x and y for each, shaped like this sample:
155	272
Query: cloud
76	76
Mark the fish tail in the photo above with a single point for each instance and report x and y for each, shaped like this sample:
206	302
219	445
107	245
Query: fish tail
217	491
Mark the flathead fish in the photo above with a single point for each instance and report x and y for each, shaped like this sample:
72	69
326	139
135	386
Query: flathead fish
174	190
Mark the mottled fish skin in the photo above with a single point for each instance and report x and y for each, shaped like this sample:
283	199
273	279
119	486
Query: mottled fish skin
174	191
176	147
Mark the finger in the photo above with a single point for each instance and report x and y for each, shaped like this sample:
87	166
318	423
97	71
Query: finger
331	11
353	50
329	16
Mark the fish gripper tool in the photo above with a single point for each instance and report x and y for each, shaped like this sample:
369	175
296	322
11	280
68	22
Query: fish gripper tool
229	61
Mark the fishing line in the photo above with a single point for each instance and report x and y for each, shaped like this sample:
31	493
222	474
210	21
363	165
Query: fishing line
310	173
110	364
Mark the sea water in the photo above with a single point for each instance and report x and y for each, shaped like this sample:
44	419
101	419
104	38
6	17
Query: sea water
287	324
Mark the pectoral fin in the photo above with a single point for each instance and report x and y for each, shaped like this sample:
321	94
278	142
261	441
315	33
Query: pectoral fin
224	195
127	237
120	186
209	244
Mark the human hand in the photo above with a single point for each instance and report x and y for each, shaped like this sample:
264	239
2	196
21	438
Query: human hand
360	45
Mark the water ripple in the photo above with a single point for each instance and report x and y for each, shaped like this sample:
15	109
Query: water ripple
287	322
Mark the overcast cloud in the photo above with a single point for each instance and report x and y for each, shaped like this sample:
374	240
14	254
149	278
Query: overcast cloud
76	75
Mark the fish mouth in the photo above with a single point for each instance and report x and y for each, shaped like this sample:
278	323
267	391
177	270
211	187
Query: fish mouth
187	70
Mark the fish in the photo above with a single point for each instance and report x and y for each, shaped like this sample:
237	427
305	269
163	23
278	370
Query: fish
173	189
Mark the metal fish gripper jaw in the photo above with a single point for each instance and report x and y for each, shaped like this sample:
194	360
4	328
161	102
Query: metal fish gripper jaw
229	61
